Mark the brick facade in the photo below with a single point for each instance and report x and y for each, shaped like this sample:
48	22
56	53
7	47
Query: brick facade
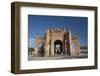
57	41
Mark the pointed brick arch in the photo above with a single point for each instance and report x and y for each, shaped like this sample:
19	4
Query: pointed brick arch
60	50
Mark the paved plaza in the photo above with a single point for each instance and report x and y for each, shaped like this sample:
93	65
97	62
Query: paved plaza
57	57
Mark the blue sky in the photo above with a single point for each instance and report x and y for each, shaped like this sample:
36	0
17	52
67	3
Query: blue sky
38	24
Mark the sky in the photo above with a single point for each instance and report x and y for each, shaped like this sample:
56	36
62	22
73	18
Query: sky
38	24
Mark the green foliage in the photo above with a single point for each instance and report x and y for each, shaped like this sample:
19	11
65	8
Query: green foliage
85	52
83	47
30	49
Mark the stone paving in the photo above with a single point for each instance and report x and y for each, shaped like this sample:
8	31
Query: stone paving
57	57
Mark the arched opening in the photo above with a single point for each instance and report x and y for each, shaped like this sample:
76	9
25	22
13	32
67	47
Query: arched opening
58	47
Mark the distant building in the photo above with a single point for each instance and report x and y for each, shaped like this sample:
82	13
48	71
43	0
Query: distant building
55	42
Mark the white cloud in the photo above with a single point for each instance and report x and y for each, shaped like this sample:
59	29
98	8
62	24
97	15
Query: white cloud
31	42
